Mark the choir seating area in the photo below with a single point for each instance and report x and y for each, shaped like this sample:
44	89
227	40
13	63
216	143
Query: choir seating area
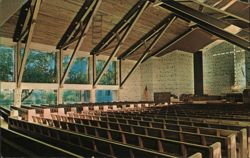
139	129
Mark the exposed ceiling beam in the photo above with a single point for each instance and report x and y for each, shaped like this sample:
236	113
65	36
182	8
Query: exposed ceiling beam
119	32
32	20
23	21
75	27
77	31
144	39
210	24
222	11
176	40
170	19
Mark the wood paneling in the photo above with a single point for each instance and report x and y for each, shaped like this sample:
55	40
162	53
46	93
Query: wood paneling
56	15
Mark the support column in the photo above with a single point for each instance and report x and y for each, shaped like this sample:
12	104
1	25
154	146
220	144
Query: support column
92	73
93	65
18	97
17	90
115	95
93	95
59	96
59	59
198	74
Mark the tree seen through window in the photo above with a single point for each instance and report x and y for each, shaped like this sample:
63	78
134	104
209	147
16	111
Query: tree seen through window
109	77
78	73
6	64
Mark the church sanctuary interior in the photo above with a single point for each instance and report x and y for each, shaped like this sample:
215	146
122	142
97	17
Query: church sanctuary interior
125	78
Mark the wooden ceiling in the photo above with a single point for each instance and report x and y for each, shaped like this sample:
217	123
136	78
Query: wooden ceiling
56	15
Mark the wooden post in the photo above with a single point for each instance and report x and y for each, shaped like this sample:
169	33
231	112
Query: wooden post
197	155
215	150
27	46
243	143
59	65
17	97
231	146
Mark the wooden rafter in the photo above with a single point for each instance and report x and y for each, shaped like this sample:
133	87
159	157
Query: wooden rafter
30	22
77	32
119	32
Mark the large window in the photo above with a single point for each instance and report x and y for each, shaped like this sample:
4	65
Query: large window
74	96
40	67
78	73
6	97
109	77
104	96
86	96
6	63
38	97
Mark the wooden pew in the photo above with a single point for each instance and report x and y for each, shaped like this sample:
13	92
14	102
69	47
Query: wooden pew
194	113
244	135
208	113
5	113
241	133
24	114
142	141
17	141
81	142
227	142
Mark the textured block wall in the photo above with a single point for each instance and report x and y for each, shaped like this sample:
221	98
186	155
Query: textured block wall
170	73
240	68
222	69
147	78
131	90
174	73
185	73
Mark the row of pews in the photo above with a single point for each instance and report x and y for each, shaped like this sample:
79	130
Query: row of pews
139	129
14	144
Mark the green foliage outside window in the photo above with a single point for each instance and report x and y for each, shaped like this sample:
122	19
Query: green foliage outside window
104	96
6	97
38	97
40	67
78	73
72	96
6	63
109	77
